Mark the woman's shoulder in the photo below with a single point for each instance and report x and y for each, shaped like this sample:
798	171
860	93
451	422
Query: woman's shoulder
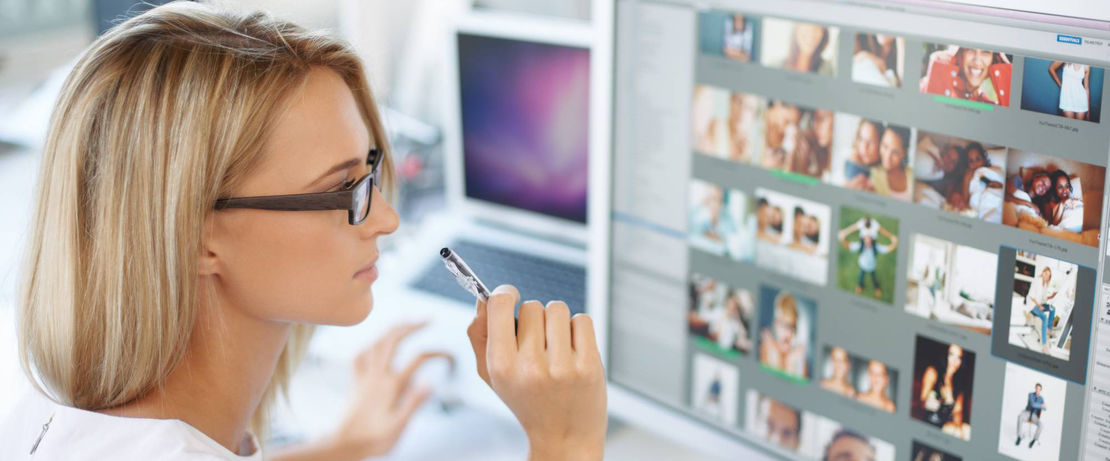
39	429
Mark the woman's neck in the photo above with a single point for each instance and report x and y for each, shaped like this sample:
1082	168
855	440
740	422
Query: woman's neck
896	179
218	385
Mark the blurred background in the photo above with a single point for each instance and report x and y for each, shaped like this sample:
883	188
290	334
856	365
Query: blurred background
402	44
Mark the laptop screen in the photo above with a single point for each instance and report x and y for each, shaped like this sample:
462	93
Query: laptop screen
525	124
844	230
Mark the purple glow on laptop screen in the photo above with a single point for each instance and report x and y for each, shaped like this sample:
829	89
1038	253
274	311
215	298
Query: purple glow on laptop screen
525	124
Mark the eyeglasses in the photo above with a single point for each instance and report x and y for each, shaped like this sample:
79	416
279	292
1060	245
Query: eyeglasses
354	198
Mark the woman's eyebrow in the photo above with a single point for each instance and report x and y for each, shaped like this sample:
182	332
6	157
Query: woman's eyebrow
350	163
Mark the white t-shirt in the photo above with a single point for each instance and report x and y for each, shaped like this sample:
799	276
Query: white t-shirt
1038	293
75	434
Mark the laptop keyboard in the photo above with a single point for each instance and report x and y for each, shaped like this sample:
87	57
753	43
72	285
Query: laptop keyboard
535	277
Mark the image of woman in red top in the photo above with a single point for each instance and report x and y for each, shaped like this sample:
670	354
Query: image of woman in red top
967	73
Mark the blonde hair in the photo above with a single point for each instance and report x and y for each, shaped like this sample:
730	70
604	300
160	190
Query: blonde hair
163	114
786	306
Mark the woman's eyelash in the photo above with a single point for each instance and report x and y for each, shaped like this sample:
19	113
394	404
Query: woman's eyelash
342	185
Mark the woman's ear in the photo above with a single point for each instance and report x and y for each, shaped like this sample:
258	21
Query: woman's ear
208	261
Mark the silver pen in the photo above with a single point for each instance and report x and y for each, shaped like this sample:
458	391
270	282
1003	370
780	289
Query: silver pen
464	275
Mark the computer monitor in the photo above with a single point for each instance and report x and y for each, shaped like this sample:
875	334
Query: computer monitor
518	151
861	230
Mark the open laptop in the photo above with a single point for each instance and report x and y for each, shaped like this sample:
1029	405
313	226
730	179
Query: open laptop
518	139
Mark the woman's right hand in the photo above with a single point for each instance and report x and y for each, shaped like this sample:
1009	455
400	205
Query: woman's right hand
547	370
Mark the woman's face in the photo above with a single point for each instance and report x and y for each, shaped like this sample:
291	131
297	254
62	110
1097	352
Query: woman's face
950	159
713	201
1046	275
783	425
955	357
867	144
703	109
738	22
810	225
780	116
840	362
302	266
1040	185
772	215
1063	189
785	329
809	36
974	66
876	374
975	159
732	306
892	150
823	127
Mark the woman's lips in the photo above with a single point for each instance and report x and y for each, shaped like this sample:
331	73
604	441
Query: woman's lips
368	272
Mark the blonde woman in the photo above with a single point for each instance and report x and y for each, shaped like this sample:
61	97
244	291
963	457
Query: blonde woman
173	280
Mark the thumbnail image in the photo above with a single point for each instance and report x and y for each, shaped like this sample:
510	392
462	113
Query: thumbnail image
809	435
786	333
951	283
836	442
1067	89
872	155
967	73
1041	317
943	375
879	59
959	176
726	124
1032	419
729	34
780	424
1052	196
721	315
796	139
792	236
716	221
710	120
870	382
868	258
715	390
799	46
923	452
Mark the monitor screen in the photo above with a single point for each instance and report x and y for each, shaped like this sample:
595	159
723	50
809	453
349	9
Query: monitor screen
525	124
843	231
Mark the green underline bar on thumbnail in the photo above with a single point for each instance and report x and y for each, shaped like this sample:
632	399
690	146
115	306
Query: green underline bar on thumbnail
964	103
796	177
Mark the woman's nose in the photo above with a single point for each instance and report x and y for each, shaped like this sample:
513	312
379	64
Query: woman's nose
383	219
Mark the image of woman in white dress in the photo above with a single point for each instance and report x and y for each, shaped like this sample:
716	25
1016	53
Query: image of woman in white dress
1075	88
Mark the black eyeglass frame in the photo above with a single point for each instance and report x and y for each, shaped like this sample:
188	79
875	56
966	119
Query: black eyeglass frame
345	199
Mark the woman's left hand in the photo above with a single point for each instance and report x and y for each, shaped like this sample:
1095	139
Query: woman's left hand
383	399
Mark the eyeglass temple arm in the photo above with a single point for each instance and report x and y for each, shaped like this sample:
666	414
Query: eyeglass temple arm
338	200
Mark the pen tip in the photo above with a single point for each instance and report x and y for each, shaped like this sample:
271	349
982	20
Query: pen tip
445	252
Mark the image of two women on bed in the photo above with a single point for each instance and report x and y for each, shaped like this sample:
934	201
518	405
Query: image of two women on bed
1049	196
1053	196
960	176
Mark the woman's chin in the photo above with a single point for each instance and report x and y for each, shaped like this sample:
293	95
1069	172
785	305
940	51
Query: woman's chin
353	315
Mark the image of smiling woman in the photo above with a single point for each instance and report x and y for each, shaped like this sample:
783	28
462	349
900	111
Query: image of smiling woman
807	42
893	176
967	73
864	156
